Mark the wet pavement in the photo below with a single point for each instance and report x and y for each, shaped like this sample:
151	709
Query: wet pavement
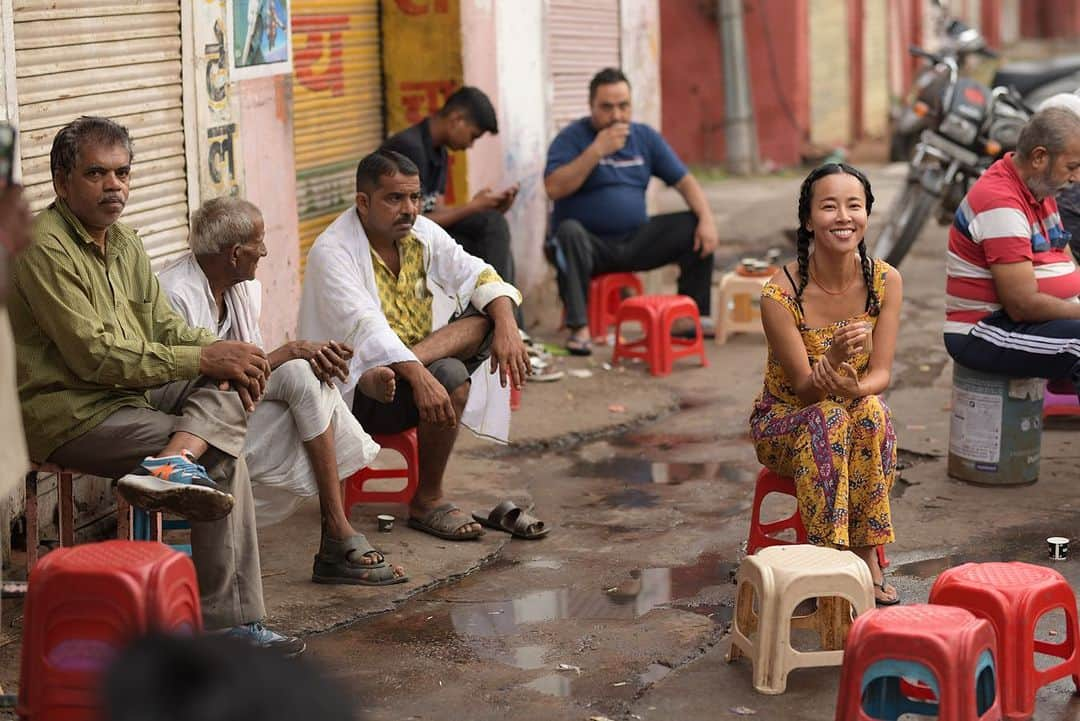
623	611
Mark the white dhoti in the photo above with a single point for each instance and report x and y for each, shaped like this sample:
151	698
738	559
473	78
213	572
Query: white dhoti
295	409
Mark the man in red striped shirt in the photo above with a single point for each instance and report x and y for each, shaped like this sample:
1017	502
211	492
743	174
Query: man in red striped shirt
1011	304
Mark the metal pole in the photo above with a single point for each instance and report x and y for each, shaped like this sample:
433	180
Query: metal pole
740	131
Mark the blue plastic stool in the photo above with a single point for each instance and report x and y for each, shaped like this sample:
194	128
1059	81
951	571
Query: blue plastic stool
142	529
883	698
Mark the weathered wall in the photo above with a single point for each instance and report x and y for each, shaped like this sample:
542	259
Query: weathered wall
421	41
875	69
271	184
830	79
640	51
692	78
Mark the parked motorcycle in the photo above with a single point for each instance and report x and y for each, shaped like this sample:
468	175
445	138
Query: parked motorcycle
1034	81
967	127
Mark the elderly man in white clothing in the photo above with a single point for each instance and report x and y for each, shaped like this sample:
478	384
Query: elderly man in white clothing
301	438
400	290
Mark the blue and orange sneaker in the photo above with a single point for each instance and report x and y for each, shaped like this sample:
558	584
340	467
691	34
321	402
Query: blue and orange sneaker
176	484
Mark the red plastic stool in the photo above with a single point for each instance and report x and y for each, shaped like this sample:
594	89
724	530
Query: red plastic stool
1060	399
762	533
1013	597
515	398
405	444
605	297
949	650
656	314
83	605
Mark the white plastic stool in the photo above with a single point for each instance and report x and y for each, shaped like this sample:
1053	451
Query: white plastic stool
782	577
738	306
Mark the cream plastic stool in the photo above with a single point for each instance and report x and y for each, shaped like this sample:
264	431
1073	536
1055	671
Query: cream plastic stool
782	577
738	305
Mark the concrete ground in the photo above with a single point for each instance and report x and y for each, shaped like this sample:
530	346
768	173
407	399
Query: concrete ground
623	611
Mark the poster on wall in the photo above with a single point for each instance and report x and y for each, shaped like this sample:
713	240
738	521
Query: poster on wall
261	42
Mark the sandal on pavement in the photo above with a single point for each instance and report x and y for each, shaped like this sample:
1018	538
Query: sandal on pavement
443	522
579	347
509	517
878	600
334	565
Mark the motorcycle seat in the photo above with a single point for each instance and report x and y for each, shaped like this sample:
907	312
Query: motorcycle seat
1026	76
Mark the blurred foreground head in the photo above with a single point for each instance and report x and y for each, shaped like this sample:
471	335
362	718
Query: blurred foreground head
209	678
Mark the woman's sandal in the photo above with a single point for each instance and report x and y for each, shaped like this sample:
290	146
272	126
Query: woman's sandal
878	600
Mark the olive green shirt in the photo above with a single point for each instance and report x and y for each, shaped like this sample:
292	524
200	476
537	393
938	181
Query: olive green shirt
93	331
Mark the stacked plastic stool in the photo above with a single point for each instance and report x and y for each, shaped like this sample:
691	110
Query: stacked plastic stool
657	314
1060	400
763	533
84	603
948	650
1013	597
404	443
738	306
781	577
605	297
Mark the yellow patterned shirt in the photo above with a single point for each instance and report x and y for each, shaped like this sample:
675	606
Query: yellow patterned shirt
405	299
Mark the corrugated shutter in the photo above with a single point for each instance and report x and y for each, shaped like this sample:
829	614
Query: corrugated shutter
583	39
122	61
337	105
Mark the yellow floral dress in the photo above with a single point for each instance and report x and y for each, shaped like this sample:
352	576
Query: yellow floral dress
841	452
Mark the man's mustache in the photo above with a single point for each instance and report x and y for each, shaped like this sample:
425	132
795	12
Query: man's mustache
410	219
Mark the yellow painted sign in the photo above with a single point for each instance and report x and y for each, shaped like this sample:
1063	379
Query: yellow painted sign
421	42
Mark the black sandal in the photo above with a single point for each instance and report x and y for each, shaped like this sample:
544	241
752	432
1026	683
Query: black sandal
885	601
579	347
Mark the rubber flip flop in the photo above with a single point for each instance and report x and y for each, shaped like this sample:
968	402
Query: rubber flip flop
884	601
434	524
579	347
509	517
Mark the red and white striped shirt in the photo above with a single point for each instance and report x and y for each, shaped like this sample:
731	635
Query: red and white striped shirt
1000	221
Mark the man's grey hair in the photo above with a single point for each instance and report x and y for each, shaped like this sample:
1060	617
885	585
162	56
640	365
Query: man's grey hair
222	223
1053	128
82	131
1069	101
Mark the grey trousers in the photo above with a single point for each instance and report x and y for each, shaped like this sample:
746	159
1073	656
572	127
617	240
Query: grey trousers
225	552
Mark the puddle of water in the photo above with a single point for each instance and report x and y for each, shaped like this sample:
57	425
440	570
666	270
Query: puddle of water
663	441
630	498
653	673
551	685
632	597
930	567
528	658
543	563
642	470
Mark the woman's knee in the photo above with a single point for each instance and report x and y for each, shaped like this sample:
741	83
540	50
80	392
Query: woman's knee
871	408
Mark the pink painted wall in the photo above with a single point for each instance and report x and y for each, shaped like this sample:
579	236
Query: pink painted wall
270	178
478	48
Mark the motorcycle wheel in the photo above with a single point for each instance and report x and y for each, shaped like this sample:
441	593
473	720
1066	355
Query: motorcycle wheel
906	219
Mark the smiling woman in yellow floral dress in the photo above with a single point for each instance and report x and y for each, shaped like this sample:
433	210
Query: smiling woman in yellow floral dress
831	320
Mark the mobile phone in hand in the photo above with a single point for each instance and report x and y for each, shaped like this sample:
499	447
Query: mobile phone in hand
7	154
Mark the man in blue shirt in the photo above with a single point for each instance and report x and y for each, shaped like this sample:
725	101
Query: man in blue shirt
597	171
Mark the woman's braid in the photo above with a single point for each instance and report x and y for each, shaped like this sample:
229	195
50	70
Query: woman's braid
873	305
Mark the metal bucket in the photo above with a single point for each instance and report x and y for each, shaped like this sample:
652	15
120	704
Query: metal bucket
995	436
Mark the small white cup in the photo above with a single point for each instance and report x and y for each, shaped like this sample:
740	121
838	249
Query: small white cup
386	522
1058	548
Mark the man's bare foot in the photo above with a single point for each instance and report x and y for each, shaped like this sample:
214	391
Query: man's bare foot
378	383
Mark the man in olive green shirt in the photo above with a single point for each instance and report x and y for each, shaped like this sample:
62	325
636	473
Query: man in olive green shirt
114	383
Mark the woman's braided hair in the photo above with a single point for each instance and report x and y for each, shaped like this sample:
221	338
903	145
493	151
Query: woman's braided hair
804	236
